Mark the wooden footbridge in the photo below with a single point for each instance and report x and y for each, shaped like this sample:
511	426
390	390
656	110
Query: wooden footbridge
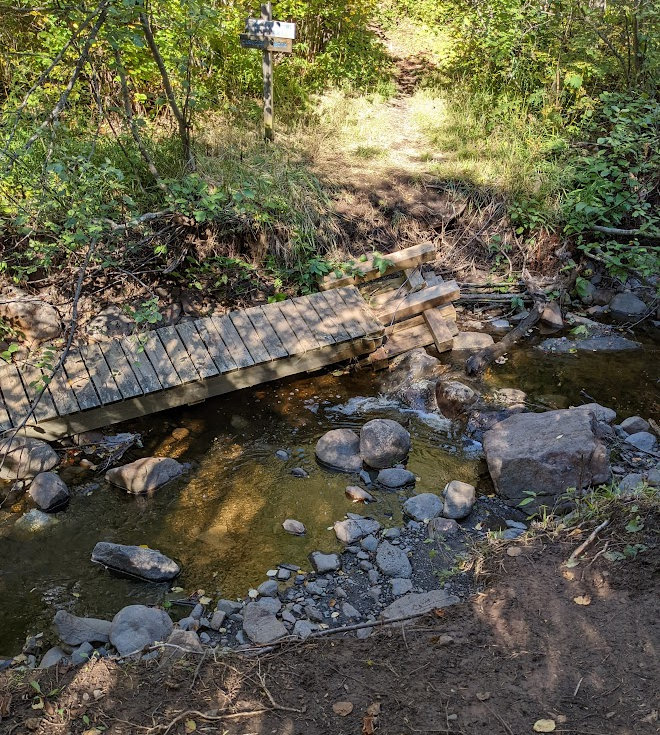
104	383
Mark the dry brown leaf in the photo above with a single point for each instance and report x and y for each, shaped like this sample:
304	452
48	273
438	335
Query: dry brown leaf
582	600
544	726
370	720
342	708
514	551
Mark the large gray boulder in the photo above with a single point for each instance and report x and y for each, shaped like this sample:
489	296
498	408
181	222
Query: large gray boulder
422	507
25	457
137	626
418	603
144	475
383	443
37	320
261	625
73	630
339	449
545	453
49	491
393	561
353	529
147	564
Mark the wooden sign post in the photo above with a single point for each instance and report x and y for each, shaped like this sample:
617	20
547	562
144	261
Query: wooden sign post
270	36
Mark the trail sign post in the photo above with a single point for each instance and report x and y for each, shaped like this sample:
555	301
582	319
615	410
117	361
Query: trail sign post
270	36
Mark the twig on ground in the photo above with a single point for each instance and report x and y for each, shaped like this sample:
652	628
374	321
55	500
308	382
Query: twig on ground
590	539
275	705
503	722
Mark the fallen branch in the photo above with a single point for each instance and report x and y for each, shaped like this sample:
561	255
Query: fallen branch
591	538
478	362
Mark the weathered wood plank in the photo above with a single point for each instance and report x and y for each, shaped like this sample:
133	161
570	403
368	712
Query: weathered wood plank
363	313
79	380
447	312
306	340
214	344
33	382
15	397
414	279
281	327
121	370
63	397
416	303
250	336
266	333
419	335
197	350
330	319
307	310
160	360
348	320
442	336
102	377
227	331
407	258
178	354
140	364
200	390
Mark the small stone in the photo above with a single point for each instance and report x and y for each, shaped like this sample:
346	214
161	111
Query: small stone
303	629
218	619
358	495
373	576
423	506
82	654
401	586
284	574
365	477
642	440
349	611
295	528
653	477
516	524
178	639
363	633
362	555
634	424
511	533
551	316
339	449
459	499
268	588
325	562
49	492
52	657
282	454
369	543
299	472
74	631
188	623
145	475
395	478
261	625
438	528
197	611
204	638
229	607
391	533
365	565
625	305
630	482
353	529
137	626
418	603
313	613
393	562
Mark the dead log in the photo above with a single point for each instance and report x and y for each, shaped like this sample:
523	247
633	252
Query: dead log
478	362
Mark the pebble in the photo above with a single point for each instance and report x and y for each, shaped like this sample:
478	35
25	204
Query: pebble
325	562
283	574
634	424
642	440
373	576
392	561
197	611
516	524
204	638
218	619
282	454
401	586
366	566
369	543
391	533
365	477
295	528
268	588
313	613
349	611
299	472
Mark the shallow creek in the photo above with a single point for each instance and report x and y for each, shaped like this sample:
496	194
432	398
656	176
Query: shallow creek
222	520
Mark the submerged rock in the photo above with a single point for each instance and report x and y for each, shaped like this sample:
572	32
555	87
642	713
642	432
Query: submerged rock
339	449
423	506
25	457
147	564
383	443
73	630
295	528
48	491
395	477
145	475
352	530
34	521
358	495
418	603
545	453
453	397
605	343
137	626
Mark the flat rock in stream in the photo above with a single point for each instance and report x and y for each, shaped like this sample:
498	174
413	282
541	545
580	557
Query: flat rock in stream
147	564
383	443
339	449
423	507
418	603
604	343
25	457
145	475
74	631
352	530
395	477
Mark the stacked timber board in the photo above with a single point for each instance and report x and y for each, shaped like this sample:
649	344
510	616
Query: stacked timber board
134	376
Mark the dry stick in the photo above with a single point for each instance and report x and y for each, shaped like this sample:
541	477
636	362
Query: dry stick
478	362
82	60
592	536
132	124
203	716
169	92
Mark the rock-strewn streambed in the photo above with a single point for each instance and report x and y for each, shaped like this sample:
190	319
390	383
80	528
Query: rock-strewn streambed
237	496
